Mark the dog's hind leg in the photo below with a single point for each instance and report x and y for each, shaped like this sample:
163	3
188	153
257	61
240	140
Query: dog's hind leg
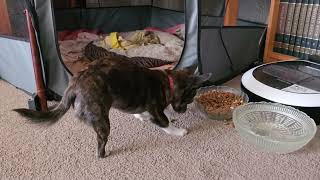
97	116
102	128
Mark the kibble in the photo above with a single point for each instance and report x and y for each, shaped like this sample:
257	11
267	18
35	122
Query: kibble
219	102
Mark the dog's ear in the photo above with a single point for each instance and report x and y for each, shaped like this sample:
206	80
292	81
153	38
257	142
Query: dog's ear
185	71
200	79
168	71
189	71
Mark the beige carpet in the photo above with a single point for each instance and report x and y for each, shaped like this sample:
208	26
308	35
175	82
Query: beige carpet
139	150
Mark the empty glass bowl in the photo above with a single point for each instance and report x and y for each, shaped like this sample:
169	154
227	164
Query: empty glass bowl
273	127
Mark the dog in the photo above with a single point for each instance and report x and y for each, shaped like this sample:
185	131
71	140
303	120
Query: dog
127	87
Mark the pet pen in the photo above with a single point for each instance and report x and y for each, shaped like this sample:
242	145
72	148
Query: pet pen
33	59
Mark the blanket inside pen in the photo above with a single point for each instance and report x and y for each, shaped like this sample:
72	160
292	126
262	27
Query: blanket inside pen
151	48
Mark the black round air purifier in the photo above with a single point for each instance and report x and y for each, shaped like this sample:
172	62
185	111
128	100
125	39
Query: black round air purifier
293	83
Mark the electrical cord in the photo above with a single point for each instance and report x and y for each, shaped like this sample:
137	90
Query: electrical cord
221	38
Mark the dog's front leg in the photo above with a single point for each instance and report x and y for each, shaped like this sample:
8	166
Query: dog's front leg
161	120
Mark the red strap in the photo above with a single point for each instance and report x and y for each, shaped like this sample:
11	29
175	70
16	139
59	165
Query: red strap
171	85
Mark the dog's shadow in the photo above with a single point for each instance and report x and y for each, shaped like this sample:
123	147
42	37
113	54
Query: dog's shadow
194	130
203	125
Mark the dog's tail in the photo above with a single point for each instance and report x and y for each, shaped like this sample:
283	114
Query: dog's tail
53	115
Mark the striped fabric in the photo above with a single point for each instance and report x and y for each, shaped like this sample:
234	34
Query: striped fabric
93	53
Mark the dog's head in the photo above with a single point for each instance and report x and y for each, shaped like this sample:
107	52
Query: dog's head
185	88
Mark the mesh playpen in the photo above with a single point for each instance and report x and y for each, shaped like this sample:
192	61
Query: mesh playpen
42	48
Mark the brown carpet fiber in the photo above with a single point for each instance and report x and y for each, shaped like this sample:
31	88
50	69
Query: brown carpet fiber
67	150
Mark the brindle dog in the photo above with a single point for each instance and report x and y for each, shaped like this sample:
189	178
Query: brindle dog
125	86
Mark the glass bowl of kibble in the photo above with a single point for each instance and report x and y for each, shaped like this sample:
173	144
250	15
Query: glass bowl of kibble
218	102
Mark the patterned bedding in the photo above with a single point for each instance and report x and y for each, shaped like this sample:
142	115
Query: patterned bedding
168	48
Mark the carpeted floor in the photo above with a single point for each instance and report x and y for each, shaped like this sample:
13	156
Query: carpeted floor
66	150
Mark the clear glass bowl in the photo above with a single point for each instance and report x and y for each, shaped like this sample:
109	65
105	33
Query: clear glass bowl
273	127
223	115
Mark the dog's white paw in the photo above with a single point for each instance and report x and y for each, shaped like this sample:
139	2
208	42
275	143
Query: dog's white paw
138	116
181	132
175	131
145	116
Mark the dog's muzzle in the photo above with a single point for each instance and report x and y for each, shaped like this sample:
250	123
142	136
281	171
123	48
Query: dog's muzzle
180	109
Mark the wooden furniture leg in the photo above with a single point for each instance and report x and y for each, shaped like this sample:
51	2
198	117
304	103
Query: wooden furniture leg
41	91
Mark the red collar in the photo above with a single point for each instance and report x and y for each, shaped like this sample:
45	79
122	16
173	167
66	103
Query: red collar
171	86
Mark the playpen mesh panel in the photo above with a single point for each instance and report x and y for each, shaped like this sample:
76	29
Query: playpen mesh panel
242	46
124	15
17	20
108	3
255	11
176	5
212	7
212	12
103	19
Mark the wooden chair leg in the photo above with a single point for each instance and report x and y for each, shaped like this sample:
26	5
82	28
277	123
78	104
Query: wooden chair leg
41	91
